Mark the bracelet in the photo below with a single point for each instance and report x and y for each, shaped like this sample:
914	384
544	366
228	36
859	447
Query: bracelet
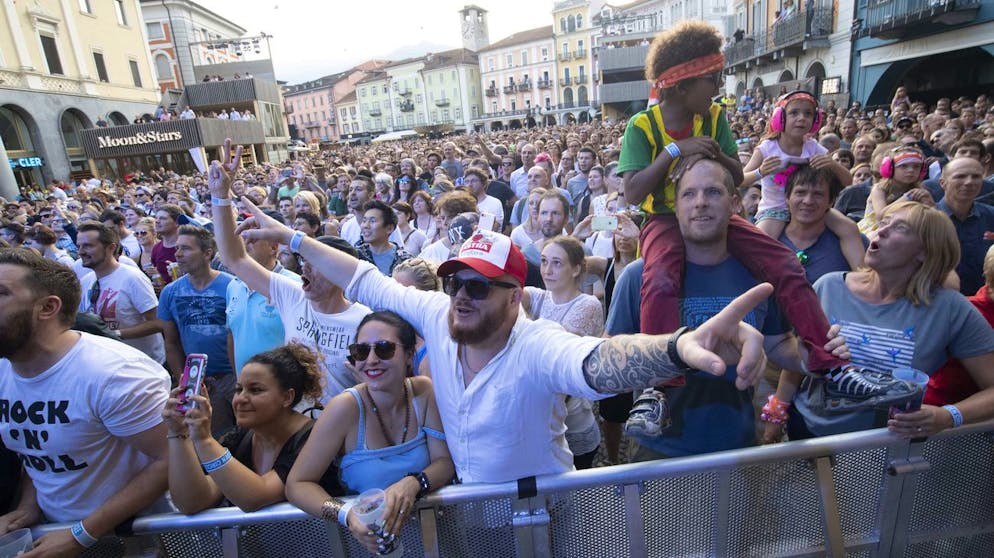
673	149
759	174
957	415
774	411
343	513
329	509
674	355
179	436
220	202
215	464
84	538
295	241
424	485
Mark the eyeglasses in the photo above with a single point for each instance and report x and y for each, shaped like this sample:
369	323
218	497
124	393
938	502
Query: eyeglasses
384	350
507	163
141	233
476	289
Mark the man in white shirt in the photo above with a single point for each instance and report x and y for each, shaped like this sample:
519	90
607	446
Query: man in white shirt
500	377
187	114
129	243
476	180
121	295
84	413
519	178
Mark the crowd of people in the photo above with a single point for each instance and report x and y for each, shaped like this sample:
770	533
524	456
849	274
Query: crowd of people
465	309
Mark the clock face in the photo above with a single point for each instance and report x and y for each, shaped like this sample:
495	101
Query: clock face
467	30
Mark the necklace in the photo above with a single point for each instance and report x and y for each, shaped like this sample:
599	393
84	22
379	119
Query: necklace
383	428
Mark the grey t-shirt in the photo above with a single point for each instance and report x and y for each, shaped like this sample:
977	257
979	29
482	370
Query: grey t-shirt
882	337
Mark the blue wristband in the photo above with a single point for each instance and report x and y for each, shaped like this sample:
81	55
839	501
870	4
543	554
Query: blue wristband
79	533
295	241
957	415
216	464
673	149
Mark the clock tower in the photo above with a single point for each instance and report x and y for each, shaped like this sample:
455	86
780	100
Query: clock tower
473	22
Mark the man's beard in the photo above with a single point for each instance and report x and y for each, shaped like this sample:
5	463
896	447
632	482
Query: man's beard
469	335
15	334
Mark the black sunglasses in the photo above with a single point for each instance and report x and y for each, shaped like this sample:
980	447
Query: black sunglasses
384	350
476	289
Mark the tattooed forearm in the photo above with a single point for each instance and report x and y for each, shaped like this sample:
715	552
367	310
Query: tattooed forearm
628	362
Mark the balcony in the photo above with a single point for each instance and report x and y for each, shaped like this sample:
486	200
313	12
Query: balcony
404	92
508	89
579	54
580	79
288	109
564	56
893	19
312	124
525	86
622	58
441	102
406	106
375	112
547	83
491	92
787	38
231	92
565	81
624	92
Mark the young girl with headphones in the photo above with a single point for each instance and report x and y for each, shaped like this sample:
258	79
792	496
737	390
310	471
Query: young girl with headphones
901	173
787	147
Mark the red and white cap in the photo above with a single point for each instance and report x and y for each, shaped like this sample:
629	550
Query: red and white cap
490	254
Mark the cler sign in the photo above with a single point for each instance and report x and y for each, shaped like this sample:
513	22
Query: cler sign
139	139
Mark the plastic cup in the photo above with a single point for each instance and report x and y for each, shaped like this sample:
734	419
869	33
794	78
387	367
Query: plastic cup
15	543
369	508
913	376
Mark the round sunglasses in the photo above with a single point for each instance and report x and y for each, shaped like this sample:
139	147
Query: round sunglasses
384	350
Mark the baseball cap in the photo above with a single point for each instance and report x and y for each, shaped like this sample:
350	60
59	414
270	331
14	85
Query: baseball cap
338	243
490	254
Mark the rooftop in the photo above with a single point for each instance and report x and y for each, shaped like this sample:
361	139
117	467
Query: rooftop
521	37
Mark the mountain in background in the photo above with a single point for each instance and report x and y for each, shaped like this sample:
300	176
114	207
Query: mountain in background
411	51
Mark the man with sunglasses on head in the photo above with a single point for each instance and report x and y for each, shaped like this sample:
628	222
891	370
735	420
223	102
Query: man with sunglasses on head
500	378
314	311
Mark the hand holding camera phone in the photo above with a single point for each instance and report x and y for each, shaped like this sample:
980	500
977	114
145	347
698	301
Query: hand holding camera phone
191	381
604	223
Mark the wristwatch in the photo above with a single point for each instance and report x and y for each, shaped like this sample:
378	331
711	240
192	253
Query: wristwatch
422	479
673	354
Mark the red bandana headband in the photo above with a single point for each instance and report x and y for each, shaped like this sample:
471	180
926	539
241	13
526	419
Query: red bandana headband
698	67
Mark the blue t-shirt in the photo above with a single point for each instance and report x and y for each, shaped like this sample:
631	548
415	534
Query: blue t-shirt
200	318
255	324
824	256
973	246
709	413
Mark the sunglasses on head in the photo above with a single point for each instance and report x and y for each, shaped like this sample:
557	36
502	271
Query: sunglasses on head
384	350
476	289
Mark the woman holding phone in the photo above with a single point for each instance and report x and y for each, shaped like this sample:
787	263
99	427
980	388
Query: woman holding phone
386	432
249	465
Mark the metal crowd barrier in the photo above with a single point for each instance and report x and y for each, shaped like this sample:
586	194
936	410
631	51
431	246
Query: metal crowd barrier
863	494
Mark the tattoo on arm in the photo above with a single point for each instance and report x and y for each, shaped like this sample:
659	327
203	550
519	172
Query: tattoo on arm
628	362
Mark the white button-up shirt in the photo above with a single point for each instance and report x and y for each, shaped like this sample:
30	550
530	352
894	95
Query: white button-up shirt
507	423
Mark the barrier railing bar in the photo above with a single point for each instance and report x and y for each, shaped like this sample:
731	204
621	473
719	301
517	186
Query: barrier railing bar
890	500
335	539
723	509
429	532
229	542
634	520
949	533
831	522
909	488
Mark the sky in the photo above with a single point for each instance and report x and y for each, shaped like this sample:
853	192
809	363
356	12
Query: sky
313	39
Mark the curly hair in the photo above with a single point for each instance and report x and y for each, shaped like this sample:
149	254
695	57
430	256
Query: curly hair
681	43
295	367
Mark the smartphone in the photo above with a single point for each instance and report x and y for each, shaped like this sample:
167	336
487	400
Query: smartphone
487	221
604	223
192	380
286	173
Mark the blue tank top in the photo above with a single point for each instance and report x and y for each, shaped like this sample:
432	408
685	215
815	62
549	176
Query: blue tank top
362	468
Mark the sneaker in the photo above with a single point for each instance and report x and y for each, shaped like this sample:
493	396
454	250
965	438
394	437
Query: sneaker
854	388
650	415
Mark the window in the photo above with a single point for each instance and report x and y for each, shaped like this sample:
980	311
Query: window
472	91
98	61
524	57
490	63
122	18
155	31
84	6
582	71
579	46
545	53
429	79
579	21
562	24
566	49
136	75
322	101
454	78
571	24
476	111
508	61
352	111
51	54
418	98
342	111
362	92
458	112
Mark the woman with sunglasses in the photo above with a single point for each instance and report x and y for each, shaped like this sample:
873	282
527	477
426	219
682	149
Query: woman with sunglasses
563	269
386	433
249	465
144	232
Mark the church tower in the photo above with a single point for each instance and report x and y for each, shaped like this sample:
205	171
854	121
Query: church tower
473	21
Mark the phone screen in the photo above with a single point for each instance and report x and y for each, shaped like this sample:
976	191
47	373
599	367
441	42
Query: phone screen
190	382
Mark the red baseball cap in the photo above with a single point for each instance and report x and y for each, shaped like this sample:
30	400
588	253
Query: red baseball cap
490	254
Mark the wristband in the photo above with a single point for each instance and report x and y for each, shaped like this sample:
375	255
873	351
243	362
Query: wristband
220	202
424	485
295	241
673	149
957	415
674	355
343	513
216	464
79	533
759	174
774	411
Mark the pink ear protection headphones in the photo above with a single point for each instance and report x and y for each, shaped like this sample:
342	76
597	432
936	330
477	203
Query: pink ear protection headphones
900	156
779	120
